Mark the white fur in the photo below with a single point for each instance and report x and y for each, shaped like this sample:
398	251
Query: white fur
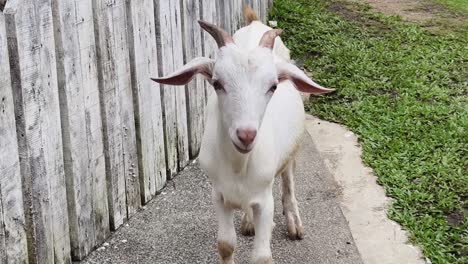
244	75
246	180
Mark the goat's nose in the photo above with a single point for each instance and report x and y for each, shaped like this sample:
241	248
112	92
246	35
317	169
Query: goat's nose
246	136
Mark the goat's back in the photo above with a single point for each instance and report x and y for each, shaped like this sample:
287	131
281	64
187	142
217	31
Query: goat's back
248	38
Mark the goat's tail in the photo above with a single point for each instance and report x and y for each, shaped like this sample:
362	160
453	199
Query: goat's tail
249	15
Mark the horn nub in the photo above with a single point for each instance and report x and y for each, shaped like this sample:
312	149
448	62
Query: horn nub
268	38
221	37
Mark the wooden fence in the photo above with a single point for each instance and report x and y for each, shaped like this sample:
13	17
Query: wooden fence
85	137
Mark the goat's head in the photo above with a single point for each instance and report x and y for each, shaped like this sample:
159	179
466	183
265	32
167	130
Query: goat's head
244	82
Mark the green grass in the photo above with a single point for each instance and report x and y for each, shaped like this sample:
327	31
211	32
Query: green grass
459	5
404	91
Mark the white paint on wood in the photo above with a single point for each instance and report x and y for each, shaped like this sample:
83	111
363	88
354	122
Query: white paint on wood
81	125
117	110
147	100
169	38
195	90
32	55
13	245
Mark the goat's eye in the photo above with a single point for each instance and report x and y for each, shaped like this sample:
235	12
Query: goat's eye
272	88
218	86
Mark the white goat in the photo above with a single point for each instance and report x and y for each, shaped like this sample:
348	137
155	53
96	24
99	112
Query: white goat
254	123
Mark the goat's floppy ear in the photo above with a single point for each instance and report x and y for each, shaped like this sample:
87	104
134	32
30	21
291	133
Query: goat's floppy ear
185	74
288	71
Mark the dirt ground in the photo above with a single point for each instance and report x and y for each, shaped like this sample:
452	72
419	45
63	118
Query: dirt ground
412	10
427	13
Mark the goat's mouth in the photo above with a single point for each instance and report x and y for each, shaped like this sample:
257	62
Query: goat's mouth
243	150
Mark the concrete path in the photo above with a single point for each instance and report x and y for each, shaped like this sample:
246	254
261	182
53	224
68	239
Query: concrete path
363	201
179	225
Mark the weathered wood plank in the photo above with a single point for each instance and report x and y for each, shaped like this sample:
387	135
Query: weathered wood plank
223	11
81	125
210	49
147	97
169	39
117	109
209	14
264	10
13	244
35	92
3	256
195	90
237	19
181	104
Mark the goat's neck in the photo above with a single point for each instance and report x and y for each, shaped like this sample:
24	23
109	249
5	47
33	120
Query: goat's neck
237	160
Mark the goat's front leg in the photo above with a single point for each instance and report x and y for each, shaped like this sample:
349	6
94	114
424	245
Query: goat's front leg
263	222
226	231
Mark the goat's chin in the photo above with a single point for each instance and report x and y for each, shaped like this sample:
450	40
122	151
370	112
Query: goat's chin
243	150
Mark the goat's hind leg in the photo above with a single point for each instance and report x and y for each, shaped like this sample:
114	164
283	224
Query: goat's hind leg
290	208
247	224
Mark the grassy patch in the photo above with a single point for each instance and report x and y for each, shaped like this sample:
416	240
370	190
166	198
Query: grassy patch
404	91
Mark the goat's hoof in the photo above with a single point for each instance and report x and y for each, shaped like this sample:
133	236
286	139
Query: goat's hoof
264	260
295	230
247	227
225	251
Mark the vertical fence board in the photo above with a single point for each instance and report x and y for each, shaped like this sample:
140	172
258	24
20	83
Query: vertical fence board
255	6
223	11
81	125
229	8
195	90
259	9
237	20
117	109
264	6
147	100
90	82
169	39
13	244
34	78
182	131
3	256
208	13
